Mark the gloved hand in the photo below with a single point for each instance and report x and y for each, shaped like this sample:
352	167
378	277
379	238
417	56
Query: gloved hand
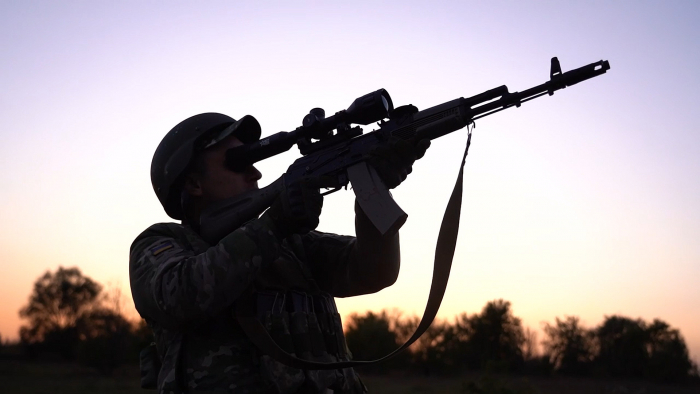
297	209
394	159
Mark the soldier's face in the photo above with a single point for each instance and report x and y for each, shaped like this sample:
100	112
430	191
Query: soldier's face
218	182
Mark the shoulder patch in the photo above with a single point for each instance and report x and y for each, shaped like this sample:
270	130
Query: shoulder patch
160	248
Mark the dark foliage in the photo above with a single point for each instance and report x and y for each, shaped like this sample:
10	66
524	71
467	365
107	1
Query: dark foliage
569	346
105	338
68	320
633	348
492	339
370	337
668	354
55	305
620	347
495	341
434	352
538	366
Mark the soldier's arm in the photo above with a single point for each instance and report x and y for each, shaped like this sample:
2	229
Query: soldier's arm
175	286
347	266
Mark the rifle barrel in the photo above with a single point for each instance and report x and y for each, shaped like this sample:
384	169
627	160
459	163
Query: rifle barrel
484	104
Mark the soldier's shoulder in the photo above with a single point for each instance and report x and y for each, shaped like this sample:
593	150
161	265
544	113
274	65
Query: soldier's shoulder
155	233
164	229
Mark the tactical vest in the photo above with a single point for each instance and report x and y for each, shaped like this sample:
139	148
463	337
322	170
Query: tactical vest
301	319
298	315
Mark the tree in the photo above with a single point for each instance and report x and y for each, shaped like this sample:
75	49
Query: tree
106	339
435	351
569	345
57	301
492	339
668	353
370	337
529	346
69	314
622	346
633	348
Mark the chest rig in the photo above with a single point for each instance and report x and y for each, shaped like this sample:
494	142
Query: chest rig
299	317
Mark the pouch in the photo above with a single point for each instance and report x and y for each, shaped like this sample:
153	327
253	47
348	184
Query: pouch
149	364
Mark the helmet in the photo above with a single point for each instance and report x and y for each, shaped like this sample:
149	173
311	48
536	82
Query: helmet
177	148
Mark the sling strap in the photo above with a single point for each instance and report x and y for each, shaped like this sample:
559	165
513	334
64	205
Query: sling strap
444	253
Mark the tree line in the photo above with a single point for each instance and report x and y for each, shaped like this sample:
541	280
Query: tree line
495	340
70	317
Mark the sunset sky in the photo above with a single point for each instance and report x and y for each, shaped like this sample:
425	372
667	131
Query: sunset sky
585	203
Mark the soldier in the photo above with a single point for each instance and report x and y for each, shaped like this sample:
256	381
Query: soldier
186	289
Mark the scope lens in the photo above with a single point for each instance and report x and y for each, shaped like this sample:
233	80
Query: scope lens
386	103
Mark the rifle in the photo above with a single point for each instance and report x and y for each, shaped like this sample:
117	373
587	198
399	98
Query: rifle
337	152
340	158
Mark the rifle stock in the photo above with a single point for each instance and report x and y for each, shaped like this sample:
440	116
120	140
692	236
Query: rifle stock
221	218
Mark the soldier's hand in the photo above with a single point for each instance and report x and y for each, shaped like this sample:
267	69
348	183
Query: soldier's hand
297	209
394	160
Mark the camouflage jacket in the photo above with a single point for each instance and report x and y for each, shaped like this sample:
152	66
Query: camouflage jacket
186	289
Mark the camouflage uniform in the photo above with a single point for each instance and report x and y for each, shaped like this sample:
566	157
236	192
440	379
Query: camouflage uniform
185	289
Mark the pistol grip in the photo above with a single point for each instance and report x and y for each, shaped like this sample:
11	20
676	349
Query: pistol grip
375	199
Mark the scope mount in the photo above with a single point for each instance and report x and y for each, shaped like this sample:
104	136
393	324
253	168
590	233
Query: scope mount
343	132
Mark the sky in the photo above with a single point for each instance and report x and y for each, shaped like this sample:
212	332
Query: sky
584	203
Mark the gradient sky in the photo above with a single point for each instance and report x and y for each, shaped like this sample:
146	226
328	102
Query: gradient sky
585	203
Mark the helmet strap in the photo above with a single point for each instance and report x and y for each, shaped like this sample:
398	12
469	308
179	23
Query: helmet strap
186	207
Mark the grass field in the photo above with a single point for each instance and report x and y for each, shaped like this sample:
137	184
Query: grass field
54	378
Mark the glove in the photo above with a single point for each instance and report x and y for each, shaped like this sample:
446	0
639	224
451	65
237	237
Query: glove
394	159
297	209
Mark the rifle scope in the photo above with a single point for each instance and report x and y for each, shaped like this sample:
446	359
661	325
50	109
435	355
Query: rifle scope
371	107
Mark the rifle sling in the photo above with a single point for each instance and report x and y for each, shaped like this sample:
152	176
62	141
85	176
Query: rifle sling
444	253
